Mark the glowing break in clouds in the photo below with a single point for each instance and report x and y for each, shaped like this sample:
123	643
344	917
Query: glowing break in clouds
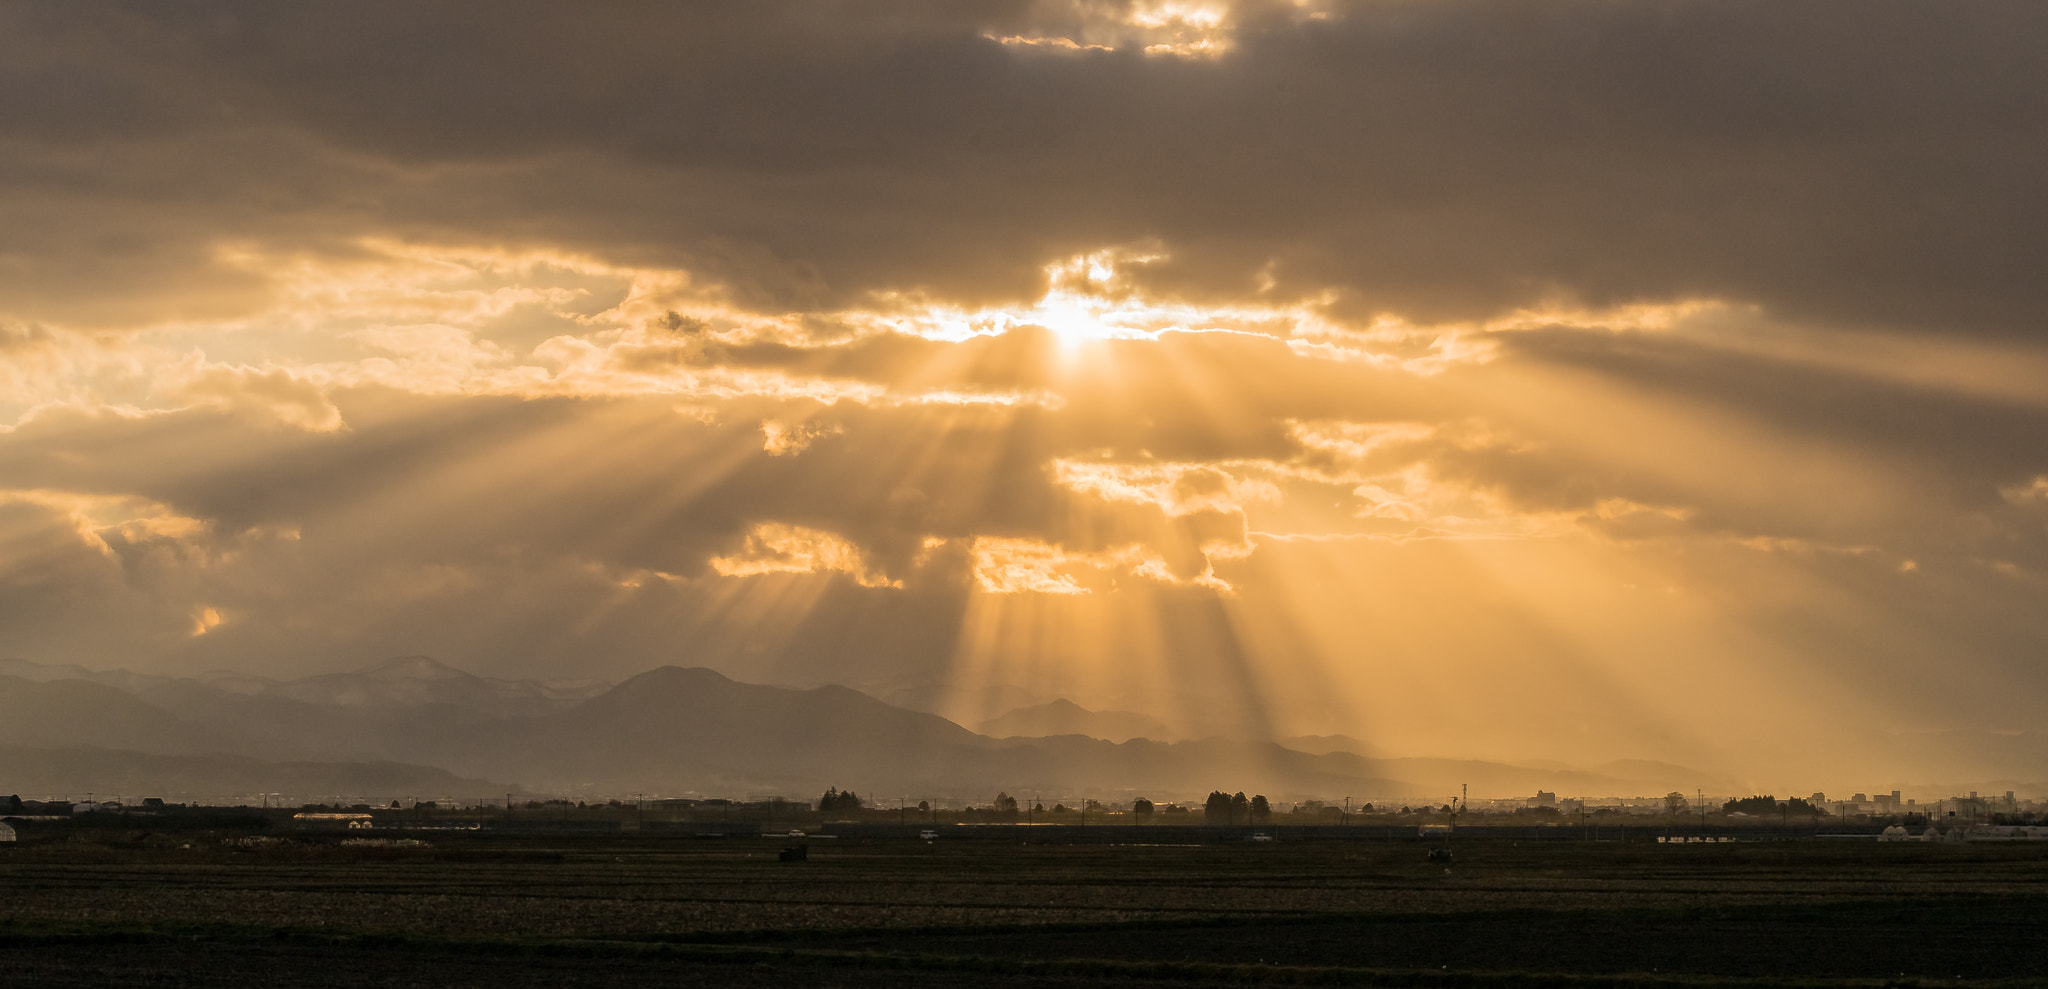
100	523
1177	28
1034	566
452	321
773	547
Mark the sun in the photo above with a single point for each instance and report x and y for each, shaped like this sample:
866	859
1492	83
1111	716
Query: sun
1072	320
1087	298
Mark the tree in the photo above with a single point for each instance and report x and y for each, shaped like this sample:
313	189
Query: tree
924	807
1006	804
1261	810
1216	810
836	801
1759	806
1240	808
1676	804
1141	807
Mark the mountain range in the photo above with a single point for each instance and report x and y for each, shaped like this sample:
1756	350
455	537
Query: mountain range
1064	717
415	725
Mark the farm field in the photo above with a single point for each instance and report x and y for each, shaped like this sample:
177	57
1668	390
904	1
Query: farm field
537	909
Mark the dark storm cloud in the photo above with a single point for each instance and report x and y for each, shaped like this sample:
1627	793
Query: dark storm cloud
1852	162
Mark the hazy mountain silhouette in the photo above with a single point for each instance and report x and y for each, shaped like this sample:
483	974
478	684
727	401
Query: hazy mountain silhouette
945	697
82	712
416	681
677	731
225	779
1064	717
62	736
1325	744
43	673
680	729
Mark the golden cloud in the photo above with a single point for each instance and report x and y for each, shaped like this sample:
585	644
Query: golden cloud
784	439
1002	565
773	547
1176	489
1196	29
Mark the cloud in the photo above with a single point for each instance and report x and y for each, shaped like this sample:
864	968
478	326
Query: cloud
275	393
782	439
1175	489
1011	566
777	548
1434	160
2033	492
1030	566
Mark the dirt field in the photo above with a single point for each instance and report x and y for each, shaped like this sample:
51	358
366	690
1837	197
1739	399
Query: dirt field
483	909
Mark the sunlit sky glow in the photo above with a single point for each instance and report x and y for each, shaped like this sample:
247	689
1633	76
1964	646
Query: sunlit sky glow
1579	382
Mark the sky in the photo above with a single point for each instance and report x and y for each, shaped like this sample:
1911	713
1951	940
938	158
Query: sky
1576	381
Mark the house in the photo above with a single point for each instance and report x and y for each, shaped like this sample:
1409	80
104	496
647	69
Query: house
6	831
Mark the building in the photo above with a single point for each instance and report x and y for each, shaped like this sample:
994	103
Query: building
6	831
331	820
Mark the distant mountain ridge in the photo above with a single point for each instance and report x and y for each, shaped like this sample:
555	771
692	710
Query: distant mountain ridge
74	771
681	731
416	681
404	681
88	712
1064	717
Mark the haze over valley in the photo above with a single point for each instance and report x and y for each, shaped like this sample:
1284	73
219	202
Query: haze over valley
414	729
